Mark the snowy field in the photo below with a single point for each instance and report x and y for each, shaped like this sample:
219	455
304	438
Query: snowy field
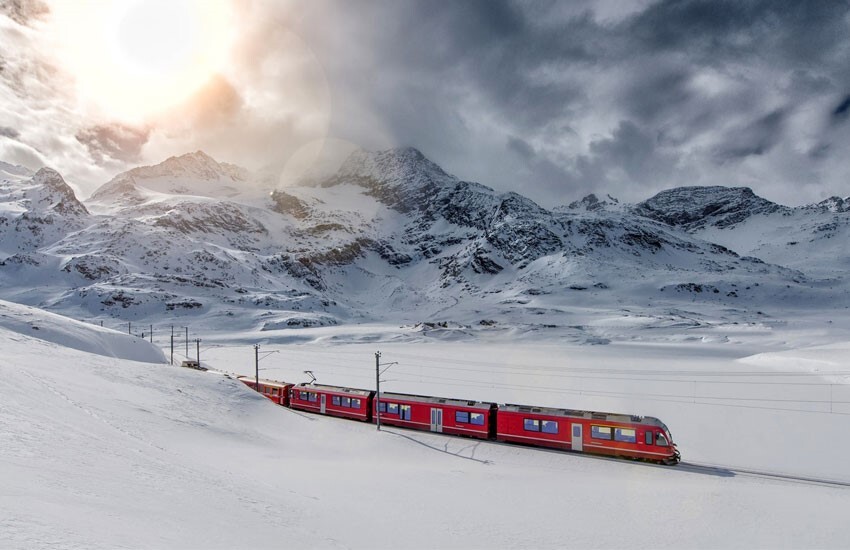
104	445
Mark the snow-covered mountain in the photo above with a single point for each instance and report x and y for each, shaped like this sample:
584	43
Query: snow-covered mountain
393	237
812	238
195	174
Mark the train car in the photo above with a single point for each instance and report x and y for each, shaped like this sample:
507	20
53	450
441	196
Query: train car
639	437
332	400
274	390
438	414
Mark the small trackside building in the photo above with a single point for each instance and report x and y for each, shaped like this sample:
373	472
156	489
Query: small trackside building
642	437
332	400
438	414
274	390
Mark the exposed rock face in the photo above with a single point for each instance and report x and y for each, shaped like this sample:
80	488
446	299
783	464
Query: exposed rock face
39	211
591	203
390	234
284	203
833	204
693	208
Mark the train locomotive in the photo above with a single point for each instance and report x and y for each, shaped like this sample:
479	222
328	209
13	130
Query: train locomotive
618	435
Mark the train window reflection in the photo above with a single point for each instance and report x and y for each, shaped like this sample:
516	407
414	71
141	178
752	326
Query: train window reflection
531	425
627	435
600	432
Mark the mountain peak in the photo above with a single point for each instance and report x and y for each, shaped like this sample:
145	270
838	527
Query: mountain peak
197	164
590	203
696	207
399	165
189	174
832	204
402	178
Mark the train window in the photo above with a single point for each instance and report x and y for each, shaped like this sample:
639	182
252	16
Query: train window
660	439
355	403
392	408
335	399
304	395
626	435
382	407
476	418
462	417
531	425
549	427
274	391
405	412
346	402
600	432
648	438
313	396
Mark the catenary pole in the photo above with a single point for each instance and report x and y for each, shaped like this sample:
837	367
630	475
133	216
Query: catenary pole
378	388
257	367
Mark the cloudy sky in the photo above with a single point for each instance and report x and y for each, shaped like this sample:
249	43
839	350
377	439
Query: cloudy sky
550	99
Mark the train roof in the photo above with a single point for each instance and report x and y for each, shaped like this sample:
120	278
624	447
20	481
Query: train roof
588	415
337	389
436	400
265	381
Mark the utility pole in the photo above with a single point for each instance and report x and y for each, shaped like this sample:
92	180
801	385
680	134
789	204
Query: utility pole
198	352
378	388
187	342
151	334
378	373
172	344
257	366
129	327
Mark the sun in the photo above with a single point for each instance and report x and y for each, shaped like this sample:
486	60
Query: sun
132	59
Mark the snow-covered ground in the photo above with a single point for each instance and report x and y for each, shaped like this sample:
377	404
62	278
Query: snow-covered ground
101	450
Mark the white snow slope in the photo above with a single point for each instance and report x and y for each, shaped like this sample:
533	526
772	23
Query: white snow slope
102	452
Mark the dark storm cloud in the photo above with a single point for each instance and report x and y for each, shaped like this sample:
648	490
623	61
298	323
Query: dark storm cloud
549	98
755	138
843	109
663	94
521	148
712	31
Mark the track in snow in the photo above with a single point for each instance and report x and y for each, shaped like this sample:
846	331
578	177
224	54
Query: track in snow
716	469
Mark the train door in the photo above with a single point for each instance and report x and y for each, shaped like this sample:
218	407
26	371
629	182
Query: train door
576	441
437	420
324	402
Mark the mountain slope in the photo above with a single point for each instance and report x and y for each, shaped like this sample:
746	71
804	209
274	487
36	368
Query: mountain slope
389	237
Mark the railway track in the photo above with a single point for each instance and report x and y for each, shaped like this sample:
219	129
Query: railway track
728	471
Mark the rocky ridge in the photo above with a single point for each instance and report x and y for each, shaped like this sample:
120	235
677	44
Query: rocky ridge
389	236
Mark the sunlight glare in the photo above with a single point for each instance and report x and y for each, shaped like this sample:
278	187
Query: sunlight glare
132	59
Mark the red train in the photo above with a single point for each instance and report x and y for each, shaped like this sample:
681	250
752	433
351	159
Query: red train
621	435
